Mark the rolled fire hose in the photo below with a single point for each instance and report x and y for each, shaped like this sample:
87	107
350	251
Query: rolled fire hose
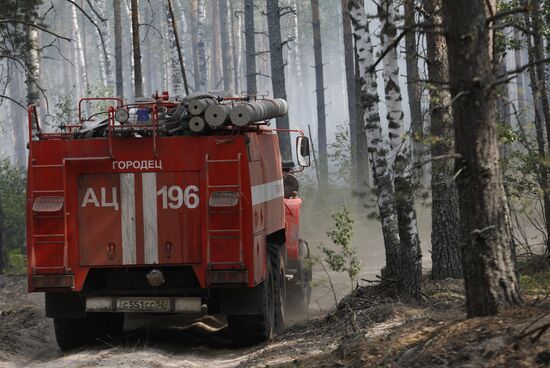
198	107
258	111
197	124
218	115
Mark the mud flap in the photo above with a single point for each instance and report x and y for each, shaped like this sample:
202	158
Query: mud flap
65	305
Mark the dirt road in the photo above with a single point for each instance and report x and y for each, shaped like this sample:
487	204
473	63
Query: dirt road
26	336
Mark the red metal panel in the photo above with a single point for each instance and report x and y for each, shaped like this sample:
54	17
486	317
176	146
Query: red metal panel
179	225
99	224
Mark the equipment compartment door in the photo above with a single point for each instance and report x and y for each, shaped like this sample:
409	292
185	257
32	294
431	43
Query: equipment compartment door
178	214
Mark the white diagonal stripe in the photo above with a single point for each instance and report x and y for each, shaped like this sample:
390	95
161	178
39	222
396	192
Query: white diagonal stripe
150	226
128	214
267	192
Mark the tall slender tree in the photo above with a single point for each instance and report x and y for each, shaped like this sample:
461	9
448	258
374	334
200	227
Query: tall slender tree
491	283
201	45
445	217
136	45
320	92
118	49
377	148
278	72
250	38
413	89
226	47
410	254
351	84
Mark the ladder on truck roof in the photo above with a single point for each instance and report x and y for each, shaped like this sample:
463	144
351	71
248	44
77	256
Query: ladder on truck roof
224	234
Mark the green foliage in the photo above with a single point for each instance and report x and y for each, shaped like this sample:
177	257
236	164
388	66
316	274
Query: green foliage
65	111
536	284
346	258
12	200
17	263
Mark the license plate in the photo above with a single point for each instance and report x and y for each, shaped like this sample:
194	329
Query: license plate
143	304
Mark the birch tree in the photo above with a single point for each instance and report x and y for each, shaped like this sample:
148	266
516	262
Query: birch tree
410	254
445	217
491	283
78	54
377	148
177	77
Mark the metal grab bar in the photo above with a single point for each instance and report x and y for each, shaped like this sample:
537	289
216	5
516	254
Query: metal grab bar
154	127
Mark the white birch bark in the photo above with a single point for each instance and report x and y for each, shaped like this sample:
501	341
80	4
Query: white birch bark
410	254
78	55
377	147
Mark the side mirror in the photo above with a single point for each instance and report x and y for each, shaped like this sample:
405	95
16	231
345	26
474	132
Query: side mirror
302	151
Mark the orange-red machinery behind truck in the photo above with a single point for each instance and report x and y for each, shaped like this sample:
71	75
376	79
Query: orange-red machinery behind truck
143	209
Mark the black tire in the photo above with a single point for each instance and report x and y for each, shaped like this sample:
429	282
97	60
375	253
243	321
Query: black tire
299	288
251	329
71	333
74	333
279	277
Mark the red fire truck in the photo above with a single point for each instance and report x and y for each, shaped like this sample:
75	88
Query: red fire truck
141	209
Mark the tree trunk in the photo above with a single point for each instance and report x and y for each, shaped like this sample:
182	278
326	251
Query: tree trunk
410	254
226	47
3	248
377	148
136	43
178	64
520	78
17	116
414	92
215	51
363	171
349	61
445	217
194	45
320	92
542	113
177	77
278	72
250	38
118	49
201	47
106	61
236	45
491	283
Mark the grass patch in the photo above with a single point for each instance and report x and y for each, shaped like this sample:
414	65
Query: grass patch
538	283
17	263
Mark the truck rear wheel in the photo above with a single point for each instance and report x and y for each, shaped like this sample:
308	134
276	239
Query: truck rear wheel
279	276
299	288
74	333
247	329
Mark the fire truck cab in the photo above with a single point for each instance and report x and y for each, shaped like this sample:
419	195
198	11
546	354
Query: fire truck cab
135	210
